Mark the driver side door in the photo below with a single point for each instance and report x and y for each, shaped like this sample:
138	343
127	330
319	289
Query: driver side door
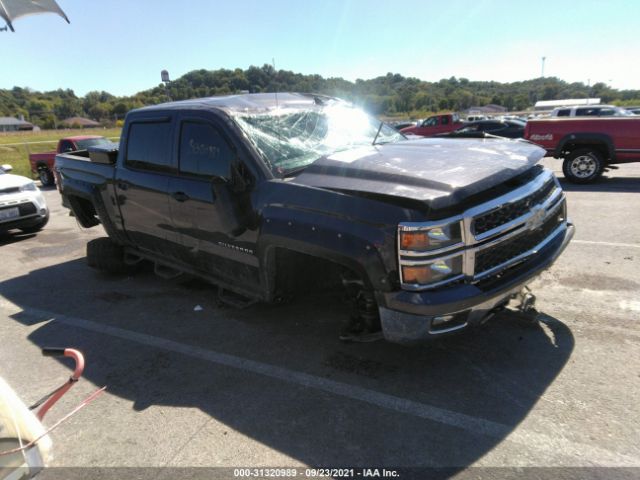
203	206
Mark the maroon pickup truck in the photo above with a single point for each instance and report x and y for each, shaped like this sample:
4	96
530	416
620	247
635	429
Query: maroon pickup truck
436	124
42	163
588	146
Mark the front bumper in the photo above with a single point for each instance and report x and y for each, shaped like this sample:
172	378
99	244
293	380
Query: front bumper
409	317
32	210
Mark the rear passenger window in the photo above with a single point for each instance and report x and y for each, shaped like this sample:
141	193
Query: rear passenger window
204	151
149	146
587	112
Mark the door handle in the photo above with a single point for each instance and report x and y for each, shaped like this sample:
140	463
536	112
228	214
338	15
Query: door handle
180	196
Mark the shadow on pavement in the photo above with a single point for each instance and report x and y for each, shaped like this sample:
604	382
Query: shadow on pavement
14	236
604	184
496	373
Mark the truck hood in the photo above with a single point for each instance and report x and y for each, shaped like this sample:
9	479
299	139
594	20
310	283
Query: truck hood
440	172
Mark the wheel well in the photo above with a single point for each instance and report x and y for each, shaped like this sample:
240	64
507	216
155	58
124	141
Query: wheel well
84	211
41	166
570	147
299	273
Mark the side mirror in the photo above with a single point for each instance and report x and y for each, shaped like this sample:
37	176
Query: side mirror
7	168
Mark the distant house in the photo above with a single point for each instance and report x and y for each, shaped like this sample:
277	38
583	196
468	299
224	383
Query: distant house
79	122
10	124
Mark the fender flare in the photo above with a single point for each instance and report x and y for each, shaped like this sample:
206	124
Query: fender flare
74	189
356	252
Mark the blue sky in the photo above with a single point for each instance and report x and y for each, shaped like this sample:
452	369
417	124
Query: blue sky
121	46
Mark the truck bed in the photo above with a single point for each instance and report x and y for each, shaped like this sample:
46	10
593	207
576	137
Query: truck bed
77	167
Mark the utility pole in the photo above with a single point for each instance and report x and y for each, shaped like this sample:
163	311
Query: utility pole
542	73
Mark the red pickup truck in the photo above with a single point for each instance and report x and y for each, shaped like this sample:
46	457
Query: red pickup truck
443	123
42	163
588	146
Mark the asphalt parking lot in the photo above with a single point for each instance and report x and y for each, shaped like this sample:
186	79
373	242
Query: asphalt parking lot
273	385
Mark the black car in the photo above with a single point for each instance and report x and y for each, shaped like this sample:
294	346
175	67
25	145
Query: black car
479	129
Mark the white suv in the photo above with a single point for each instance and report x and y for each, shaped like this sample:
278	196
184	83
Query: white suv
590	111
22	205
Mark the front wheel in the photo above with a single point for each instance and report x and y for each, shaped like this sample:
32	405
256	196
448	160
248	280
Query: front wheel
106	255
583	165
35	228
46	177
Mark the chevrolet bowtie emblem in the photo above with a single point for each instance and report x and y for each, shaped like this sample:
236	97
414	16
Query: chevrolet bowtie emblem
536	219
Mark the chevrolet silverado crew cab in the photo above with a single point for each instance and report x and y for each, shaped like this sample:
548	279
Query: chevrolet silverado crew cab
264	196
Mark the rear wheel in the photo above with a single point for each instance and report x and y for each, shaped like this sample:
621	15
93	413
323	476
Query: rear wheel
105	255
46	177
583	165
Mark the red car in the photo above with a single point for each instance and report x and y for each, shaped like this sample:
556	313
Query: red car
42	163
435	125
588	146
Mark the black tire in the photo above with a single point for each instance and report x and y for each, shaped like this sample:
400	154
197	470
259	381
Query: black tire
583	165
35	228
105	255
46	177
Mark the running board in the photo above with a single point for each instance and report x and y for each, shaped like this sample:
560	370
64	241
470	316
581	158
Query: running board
235	300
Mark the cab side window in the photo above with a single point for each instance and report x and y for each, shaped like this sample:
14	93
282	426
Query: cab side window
149	146
587	112
564	112
66	146
430	122
204	151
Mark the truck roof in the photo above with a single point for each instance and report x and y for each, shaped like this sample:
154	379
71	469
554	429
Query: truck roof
80	137
250	102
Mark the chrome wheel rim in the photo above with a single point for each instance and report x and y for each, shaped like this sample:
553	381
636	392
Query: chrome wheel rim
44	178
583	166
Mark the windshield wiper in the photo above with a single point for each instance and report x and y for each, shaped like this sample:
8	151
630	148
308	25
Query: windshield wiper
294	171
377	133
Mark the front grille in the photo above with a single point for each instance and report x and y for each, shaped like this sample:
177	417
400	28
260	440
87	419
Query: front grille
24	208
496	236
510	211
509	249
27	209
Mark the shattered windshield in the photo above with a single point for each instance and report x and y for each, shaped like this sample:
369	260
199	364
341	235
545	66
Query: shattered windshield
291	139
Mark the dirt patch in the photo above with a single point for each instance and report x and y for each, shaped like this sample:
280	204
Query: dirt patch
599	282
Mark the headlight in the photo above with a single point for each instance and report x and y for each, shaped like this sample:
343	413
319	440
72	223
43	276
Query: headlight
432	272
423	239
29	187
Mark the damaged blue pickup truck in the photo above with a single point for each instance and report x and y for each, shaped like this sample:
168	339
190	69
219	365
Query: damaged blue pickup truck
267	195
